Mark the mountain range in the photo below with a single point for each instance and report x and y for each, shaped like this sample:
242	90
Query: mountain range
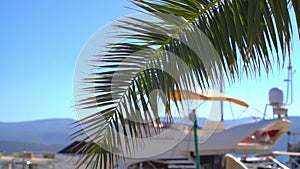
53	134
42	135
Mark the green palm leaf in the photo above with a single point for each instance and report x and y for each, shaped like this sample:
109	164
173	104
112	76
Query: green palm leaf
247	35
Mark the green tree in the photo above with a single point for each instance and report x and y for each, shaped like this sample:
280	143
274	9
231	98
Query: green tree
249	37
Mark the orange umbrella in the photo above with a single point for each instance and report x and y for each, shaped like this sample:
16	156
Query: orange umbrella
185	94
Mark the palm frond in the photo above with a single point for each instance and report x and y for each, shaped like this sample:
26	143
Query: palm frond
186	43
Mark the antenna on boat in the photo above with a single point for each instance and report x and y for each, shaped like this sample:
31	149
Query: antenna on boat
276	95
289	81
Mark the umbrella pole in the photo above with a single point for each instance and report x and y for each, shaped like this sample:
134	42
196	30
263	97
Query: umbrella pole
193	117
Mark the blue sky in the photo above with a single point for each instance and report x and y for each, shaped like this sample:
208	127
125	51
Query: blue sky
39	46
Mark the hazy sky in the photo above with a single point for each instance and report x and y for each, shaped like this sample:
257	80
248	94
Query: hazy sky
39	45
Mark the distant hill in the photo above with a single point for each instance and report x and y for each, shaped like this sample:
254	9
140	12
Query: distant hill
52	134
15	146
49	134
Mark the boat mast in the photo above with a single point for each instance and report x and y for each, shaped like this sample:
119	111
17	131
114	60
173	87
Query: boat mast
222	90
289	81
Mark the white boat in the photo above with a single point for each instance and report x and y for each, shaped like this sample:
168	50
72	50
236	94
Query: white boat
252	138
